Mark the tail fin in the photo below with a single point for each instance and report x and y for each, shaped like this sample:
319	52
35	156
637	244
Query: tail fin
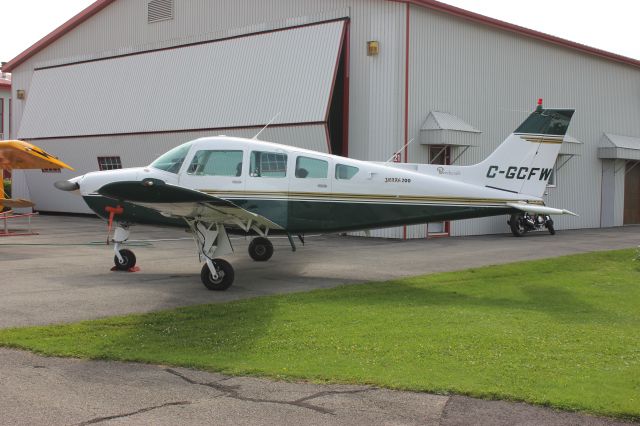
524	162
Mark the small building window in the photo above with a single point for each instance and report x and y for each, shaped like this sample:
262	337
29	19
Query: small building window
51	171
216	163
345	172
311	168
268	164
109	163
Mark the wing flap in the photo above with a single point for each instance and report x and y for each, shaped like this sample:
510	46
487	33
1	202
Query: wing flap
176	201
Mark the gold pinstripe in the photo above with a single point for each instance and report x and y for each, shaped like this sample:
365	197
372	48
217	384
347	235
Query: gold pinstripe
357	197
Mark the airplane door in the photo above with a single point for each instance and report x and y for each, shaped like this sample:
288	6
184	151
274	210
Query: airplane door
310	175
218	172
308	184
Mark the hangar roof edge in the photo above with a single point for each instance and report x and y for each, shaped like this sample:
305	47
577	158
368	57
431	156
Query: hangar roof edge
431	4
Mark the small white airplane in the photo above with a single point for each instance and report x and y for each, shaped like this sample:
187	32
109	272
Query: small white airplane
218	184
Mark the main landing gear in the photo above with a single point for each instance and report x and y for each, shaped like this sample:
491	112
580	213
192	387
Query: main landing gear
260	249
212	240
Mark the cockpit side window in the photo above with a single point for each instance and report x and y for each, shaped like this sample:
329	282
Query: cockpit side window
216	163
268	164
345	172
172	160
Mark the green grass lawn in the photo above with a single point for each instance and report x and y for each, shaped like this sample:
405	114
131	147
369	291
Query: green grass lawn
562	332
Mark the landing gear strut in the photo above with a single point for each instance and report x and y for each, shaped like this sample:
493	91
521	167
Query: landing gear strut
260	249
124	259
212	240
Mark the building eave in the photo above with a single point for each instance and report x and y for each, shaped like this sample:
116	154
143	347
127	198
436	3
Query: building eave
496	23
57	34
430	4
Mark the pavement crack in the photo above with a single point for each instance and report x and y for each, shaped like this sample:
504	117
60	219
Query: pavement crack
133	413
233	392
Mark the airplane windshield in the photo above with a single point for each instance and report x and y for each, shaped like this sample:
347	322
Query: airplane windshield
171	161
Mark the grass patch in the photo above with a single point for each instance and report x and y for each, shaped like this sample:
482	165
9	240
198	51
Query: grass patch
561	332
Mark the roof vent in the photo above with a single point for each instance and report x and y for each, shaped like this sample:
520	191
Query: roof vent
159	10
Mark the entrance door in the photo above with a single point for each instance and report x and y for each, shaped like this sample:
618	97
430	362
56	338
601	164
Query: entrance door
439	154
632	193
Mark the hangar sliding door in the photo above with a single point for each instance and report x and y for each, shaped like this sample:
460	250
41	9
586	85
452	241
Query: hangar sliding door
632	193
226	84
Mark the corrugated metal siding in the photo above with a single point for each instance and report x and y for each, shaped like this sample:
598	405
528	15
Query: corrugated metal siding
493	78
135	151
233	83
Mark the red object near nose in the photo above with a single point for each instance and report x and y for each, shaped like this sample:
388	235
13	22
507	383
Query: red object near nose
112	212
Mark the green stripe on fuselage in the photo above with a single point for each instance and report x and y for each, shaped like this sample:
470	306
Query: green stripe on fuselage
305	216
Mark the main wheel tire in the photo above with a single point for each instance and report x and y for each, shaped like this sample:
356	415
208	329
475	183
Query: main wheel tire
225	275
128	260
515	223
260	249
550	227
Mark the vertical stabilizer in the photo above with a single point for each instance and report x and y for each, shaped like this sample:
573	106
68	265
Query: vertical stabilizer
524	162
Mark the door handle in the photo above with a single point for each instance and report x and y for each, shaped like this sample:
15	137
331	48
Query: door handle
322	185
236	181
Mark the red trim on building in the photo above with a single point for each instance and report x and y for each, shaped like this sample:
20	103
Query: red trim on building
5	83
2	119
10	119
345	97
157	132
431	4
406	96
335	72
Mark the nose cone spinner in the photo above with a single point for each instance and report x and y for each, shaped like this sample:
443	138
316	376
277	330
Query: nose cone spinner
67	185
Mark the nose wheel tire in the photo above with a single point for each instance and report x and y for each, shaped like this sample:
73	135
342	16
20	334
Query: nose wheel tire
225	275
128	260
260	249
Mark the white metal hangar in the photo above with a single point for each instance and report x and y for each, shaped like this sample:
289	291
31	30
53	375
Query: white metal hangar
125	80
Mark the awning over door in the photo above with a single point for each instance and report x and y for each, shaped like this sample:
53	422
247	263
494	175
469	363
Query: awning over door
224	84
442	128
616	147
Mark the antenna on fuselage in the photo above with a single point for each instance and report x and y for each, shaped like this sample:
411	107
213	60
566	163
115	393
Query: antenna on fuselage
266	125
400	150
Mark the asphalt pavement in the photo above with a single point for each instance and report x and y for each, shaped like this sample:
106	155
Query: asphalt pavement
63	275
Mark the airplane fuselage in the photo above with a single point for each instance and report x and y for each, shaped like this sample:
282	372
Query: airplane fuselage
303	191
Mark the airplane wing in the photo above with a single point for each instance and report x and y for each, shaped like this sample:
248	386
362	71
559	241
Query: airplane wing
23	155
176	201
530	208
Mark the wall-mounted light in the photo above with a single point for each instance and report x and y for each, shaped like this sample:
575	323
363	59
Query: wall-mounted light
20	94
373	48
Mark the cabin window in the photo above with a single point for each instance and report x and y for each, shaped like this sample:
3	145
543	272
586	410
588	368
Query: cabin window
311	168
345	172
216	163
109	163
268	164
171	161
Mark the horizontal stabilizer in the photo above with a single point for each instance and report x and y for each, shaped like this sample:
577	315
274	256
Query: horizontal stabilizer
530	208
